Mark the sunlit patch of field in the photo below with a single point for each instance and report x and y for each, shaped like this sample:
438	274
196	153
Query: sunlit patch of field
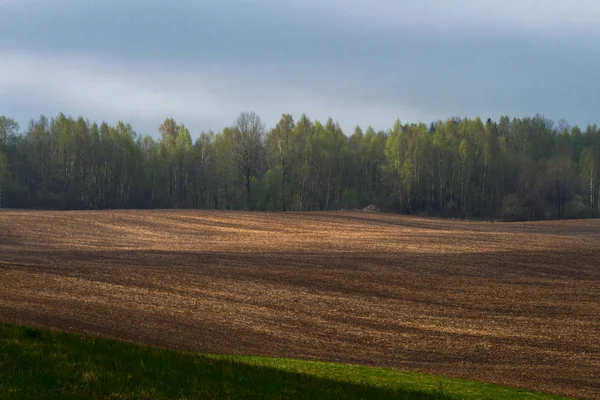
512	304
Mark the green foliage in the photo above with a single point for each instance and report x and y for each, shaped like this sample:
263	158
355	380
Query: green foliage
8	127
38	363
281	145
519	169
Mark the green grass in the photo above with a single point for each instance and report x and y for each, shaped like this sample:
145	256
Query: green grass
44	364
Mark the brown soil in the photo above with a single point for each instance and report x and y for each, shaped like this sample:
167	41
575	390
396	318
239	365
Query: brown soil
513	304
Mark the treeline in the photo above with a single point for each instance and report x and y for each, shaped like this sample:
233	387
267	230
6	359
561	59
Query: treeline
519	169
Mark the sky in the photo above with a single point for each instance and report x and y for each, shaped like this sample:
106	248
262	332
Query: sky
360	62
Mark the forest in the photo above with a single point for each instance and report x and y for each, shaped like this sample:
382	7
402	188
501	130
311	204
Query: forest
509	169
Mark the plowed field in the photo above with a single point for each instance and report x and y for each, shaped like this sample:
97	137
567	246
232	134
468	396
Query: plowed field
513	304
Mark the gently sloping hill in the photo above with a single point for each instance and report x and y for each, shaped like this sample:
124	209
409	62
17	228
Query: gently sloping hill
38	363
217	231
508	304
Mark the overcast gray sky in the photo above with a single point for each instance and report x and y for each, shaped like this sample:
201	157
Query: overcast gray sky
360	62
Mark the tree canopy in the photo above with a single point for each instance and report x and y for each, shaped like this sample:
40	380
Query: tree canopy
510	169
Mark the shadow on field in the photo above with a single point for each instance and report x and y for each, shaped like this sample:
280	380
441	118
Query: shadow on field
60	365
558	264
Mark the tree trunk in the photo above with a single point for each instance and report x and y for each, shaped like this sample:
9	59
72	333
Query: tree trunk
283	185
248	190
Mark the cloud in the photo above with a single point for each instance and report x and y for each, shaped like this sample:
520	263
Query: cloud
268	29
203	62
547	17
83	87
203	97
